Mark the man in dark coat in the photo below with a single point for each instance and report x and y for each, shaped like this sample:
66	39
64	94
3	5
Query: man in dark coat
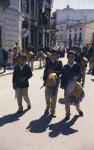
53	66
3	57
22	72
71	72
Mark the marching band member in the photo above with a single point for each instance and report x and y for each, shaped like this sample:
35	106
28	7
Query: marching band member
83	63
21	74
52	71
18	48
71	71
90	55
30	51
82	59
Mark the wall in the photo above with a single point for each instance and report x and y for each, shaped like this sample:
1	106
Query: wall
89	30
9	20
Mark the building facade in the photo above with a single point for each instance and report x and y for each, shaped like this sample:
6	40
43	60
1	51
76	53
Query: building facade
70	26
61	36
81	34
25	21
38	20
9	23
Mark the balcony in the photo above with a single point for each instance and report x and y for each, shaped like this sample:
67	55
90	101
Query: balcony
4	3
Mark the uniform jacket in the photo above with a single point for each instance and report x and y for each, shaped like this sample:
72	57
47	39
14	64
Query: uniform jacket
19	74
69	72
56	66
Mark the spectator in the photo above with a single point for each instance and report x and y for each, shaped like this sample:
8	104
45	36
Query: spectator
3	57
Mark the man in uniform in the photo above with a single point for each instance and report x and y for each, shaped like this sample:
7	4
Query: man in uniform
53	67
21	74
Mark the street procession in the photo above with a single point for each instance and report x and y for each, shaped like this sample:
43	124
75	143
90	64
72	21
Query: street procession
46	74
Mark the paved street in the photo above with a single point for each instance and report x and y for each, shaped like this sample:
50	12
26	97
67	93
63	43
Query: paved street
33	131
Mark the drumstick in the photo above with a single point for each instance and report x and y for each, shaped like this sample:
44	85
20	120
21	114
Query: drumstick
41	86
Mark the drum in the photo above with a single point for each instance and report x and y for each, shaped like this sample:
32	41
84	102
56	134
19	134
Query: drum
74	89
41	56
51	80
84	61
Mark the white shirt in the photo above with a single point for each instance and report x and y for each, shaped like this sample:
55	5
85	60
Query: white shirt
21	66
71	65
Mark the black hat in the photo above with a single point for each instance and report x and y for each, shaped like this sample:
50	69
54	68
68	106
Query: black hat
71	52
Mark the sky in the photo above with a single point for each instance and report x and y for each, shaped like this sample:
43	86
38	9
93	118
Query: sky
77	4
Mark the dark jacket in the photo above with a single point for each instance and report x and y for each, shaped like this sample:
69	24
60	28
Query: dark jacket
19	74
5	54
90	52
79	57
30	49
56	67
69	72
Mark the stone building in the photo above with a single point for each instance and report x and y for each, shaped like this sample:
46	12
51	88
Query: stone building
82	33
72	18
9	23
25	21
38	19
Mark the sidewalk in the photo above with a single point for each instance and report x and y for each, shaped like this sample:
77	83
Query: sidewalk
36	66
10	71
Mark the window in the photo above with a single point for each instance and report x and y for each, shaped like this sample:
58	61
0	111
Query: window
80	29
69	36
70	30
0	35
69	39
75	37
32	9
80	37
25	6
93	37
75	29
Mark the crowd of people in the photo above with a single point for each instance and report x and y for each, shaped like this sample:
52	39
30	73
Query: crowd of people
69	77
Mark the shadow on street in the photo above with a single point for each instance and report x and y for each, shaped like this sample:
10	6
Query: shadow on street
63	127
11	118
40	125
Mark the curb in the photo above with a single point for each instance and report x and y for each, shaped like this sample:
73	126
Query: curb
6	73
